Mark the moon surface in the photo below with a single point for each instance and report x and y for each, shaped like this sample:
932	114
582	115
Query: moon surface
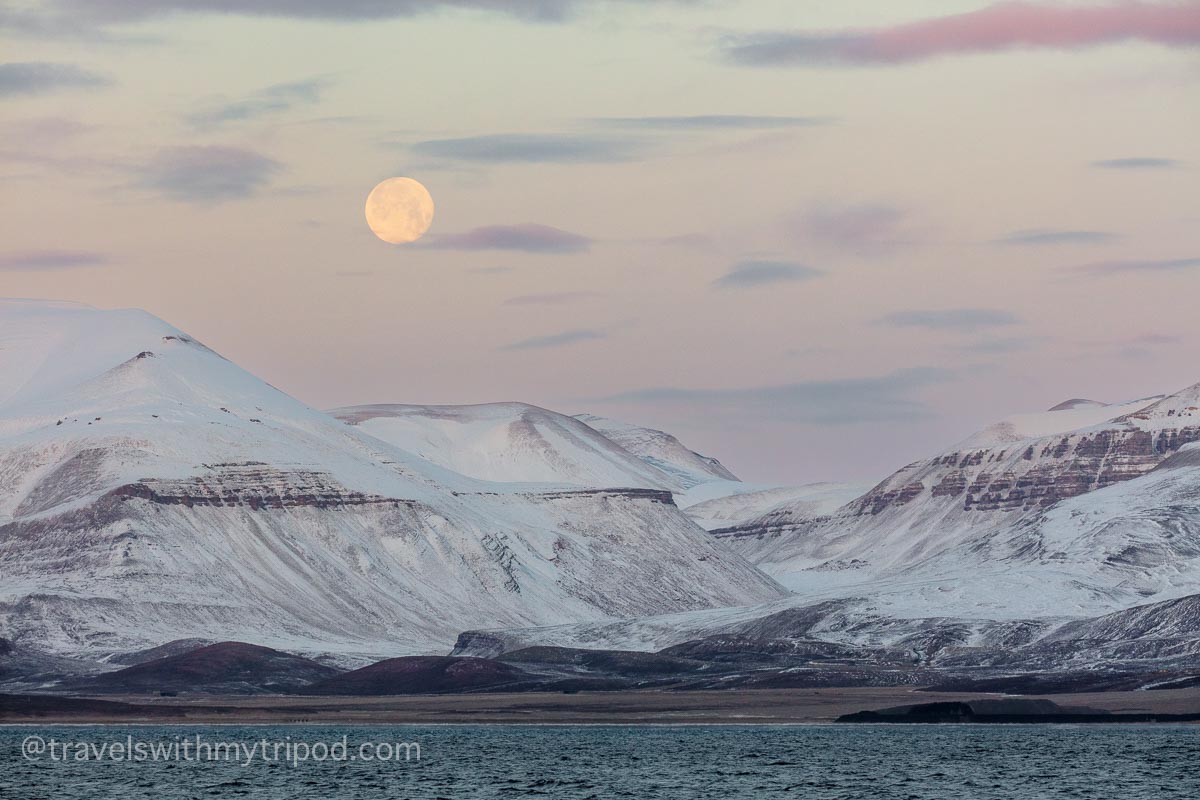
399	210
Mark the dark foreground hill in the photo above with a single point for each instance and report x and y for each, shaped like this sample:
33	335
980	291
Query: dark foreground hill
222	668
424	675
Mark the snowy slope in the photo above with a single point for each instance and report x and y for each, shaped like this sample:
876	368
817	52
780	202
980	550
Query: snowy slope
508	442
739	507
662	451
521	442
1177	620
150	490
851	621
1143	535
1076	522
1145	639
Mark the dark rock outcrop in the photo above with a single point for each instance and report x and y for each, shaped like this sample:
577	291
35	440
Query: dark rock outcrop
1009	710
254	487
623	663
481	644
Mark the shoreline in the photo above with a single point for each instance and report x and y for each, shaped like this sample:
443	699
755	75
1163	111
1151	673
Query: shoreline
758	707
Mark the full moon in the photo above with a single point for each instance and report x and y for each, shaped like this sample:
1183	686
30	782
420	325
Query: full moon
399	210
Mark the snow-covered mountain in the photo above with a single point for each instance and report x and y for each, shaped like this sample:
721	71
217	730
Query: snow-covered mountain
662	451
151	490
506	442
1078	511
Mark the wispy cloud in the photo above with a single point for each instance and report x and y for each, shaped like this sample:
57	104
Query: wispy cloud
39	77
1050	236
530	148
556	340
94	20
40	130
212	174
710	122
847	401
1147	345
951	319
682	240
1155	339
746	274
1137	163
1003	26
49	260
528	238
1000	345
551	298
122	11
606	140
1119	267
271	100
867	229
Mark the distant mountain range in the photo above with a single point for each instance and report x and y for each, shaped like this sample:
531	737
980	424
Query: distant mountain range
155	498
1081	510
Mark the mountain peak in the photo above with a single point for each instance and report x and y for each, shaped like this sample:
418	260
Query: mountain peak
181	481
508	442
1076	402
1184	403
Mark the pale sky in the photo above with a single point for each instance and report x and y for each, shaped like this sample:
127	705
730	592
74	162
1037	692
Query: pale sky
815	240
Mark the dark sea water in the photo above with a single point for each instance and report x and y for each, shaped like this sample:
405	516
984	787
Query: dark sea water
460	762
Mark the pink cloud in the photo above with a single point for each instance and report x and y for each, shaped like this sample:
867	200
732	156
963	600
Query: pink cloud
997	27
